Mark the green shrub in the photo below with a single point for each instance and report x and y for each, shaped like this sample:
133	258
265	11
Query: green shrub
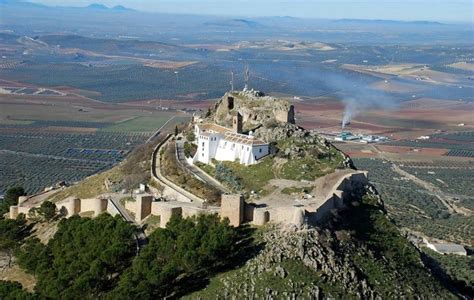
10	290
190	136
11	198
187	248
47	210
226	175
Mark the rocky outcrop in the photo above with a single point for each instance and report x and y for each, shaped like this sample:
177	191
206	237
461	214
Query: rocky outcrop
255	108
272	120
296	142
310	246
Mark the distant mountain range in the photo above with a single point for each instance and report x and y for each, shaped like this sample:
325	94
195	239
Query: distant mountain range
103	7
388	22
232	22
94	6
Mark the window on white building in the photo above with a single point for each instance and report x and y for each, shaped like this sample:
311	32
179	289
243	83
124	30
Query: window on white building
260	150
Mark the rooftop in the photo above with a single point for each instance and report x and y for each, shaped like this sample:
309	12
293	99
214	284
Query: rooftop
448	248
229	135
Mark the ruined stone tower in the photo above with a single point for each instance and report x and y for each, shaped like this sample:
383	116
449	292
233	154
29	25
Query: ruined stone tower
286	116
237	123
232	207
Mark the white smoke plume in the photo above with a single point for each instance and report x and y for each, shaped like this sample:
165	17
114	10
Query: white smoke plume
350	111
359	97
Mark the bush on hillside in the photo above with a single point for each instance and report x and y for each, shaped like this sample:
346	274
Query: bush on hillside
10	290
226	175
11	198
185	249
84	258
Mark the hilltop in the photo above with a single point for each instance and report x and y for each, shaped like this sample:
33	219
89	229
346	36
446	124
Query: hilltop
351	250
295	153
355	252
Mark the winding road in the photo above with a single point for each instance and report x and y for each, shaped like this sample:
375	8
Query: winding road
198	173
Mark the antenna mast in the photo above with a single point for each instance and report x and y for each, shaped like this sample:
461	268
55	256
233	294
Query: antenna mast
231	81
246	77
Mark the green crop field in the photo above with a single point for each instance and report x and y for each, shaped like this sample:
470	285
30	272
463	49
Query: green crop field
139	124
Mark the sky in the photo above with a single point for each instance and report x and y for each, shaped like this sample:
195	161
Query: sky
409	10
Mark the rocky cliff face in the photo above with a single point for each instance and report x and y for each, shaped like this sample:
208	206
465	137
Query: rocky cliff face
294	142
309	247
360	254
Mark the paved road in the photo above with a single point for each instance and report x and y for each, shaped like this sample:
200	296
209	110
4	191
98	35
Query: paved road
157	132
156	172
198	173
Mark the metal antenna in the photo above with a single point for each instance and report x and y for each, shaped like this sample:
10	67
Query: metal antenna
246	77
231	81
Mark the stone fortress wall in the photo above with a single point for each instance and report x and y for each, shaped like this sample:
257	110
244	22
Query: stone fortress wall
232	207
310	212
256	108
238	211
68	207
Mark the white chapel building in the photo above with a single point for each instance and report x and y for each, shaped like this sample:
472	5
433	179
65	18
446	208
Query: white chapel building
224	144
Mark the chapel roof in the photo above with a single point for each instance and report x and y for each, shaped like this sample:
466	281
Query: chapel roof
229	135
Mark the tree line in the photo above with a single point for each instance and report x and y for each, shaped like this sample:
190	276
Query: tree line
97	258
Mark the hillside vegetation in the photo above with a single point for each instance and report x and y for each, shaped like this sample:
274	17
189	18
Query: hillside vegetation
360	253
357	253
97	258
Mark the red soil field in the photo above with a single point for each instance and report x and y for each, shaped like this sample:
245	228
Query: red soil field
176	104
359	154
406	150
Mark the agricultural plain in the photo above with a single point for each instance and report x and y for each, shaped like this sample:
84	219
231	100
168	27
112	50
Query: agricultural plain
46	139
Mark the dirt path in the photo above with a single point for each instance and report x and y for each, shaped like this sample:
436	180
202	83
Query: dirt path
442	196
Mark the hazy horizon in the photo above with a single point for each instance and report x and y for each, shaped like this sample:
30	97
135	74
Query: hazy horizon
404	10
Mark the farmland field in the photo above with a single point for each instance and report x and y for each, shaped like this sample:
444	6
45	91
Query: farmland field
138	124
36	172
39	153
418	209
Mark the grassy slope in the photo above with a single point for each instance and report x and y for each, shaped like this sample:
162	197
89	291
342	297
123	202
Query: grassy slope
456	266
253	177
89	187
382	238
